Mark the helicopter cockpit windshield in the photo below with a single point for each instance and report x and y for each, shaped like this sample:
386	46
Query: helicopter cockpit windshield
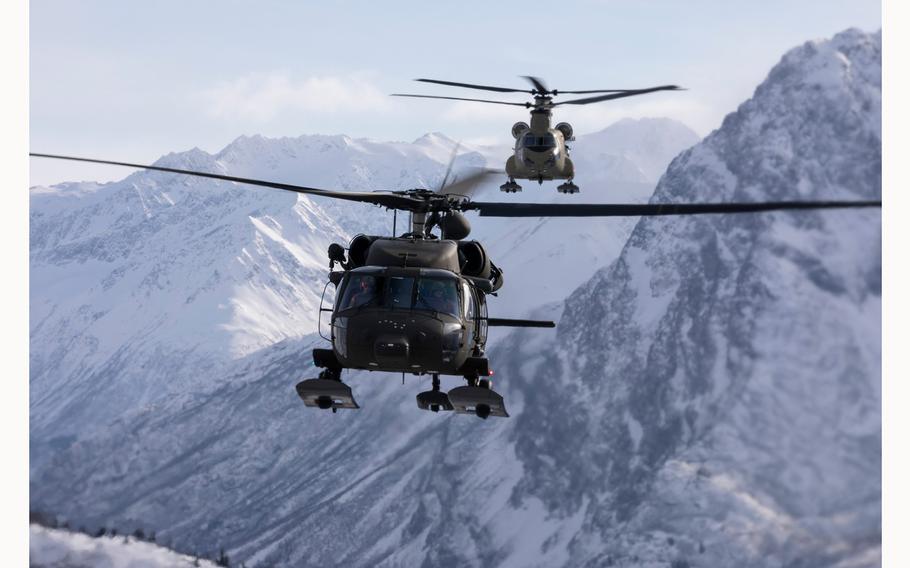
406	292
438	295
536	143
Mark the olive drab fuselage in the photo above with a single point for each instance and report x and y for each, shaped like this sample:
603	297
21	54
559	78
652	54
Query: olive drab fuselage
409	308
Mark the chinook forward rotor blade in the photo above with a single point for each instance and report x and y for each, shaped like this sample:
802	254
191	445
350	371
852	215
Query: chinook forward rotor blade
526	105
619	95
386	199
472	86
649	209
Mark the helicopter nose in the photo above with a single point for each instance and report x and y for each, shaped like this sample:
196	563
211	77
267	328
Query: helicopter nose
392	348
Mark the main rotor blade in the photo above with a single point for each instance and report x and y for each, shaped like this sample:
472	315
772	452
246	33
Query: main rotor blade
384	199
467	184
561	92
472	86
526	105
445	178
619	95
538	85
648	209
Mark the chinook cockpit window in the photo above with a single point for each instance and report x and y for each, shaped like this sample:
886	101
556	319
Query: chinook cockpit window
539	143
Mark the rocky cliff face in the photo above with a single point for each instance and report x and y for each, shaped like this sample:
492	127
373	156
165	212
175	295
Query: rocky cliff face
714	394
711	396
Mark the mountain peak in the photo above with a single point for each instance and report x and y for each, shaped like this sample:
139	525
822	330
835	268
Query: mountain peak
192	159
649	142
822	100
434	139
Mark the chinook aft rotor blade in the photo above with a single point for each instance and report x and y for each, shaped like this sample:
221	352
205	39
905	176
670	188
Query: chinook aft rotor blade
385	199
619	95
649	209
526	105
472	86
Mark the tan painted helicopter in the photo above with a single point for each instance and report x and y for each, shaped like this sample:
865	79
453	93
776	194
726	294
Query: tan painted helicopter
541	152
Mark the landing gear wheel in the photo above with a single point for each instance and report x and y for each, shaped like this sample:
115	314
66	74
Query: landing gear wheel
510	186
567	187
434	400
478	398
327	392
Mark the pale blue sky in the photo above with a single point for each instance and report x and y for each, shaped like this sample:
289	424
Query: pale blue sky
132	81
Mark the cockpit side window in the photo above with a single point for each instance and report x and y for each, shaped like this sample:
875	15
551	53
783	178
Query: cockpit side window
468	301
361	290
438	295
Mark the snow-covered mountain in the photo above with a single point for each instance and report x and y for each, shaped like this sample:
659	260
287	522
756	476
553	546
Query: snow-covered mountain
58	548
145	288
545	259
711	395
714	394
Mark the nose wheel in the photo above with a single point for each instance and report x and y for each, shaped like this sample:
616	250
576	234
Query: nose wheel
567	187
510	186
327	392
434	400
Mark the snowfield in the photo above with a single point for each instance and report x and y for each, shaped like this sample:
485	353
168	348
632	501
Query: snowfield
58	548
710	397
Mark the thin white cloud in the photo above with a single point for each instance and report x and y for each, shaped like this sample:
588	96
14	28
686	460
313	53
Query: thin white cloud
264	96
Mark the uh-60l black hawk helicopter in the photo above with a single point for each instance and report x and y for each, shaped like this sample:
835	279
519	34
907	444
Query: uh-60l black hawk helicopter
416	302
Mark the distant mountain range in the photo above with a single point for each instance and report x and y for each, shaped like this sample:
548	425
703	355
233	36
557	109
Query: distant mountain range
711	394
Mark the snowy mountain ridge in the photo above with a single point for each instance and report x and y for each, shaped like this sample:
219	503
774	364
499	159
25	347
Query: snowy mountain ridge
58	548
711	395
150	285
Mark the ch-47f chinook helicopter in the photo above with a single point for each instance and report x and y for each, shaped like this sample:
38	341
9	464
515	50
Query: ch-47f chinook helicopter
416	302
541	152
